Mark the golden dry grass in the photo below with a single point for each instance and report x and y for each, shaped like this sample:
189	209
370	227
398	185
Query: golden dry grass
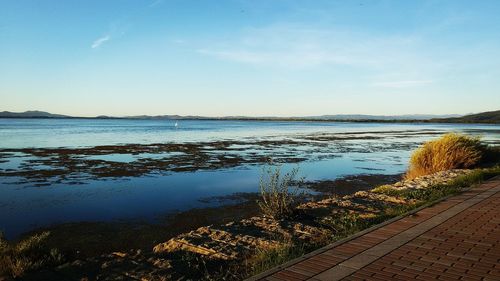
28	254
451	151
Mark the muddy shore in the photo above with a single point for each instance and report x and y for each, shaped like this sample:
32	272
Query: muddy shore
89	239
46	166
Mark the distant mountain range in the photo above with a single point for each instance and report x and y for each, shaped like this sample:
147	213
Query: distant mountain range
381	117
485	117
31	114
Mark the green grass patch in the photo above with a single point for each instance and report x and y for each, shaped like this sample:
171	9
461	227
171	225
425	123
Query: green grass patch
264	260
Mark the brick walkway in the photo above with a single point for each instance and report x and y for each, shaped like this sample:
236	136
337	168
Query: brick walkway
456	239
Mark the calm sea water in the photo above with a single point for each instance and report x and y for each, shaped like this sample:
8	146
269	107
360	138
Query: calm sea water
25	206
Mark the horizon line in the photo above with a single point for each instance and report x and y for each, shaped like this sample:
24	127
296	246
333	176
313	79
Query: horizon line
243	116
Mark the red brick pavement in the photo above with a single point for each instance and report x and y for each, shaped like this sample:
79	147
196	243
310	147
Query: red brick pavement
459	239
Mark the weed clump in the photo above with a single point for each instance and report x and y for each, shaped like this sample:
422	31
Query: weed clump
451	151
278	192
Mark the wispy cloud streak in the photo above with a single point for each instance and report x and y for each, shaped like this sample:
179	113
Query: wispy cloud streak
302	46
155	3
98	42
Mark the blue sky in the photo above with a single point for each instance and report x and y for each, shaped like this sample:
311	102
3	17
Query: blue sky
249	57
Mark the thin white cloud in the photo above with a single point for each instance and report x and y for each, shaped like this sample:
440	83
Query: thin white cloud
301	46
403	84
291	58
98	42
155	3
178	41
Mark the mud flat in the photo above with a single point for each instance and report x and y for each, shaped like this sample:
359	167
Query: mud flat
45	166
90	239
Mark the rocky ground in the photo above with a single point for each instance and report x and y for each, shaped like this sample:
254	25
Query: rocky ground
188	255
236	240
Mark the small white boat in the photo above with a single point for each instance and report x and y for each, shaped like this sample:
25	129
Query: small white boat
176	124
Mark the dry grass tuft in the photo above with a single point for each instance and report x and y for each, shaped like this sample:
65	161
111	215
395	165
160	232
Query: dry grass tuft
29	254
451	151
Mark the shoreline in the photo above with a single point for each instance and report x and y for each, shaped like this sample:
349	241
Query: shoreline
182	257
87	236
277	119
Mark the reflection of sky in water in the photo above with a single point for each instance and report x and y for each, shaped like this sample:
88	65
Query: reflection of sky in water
24	208
16	133
17	160
127	157
13	163
147	198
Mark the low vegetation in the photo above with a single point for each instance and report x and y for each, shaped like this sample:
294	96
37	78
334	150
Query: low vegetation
432	193
266	259
348	223
278	192
451	151
29	254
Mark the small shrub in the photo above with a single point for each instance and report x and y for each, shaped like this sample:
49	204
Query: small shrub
28	254
451	151
278	192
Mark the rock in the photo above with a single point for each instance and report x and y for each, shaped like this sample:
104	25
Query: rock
230	242
119	254
429	180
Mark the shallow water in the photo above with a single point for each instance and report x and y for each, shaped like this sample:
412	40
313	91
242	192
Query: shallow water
323	151
20	133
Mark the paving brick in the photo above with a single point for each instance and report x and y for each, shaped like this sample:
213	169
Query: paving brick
362	275
291	276
426	276
303	267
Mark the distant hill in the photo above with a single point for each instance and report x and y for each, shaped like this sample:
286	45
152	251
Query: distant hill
380	117
152	117
30	114
484	117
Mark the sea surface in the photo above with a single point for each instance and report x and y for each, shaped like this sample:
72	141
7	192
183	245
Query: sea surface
55	171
